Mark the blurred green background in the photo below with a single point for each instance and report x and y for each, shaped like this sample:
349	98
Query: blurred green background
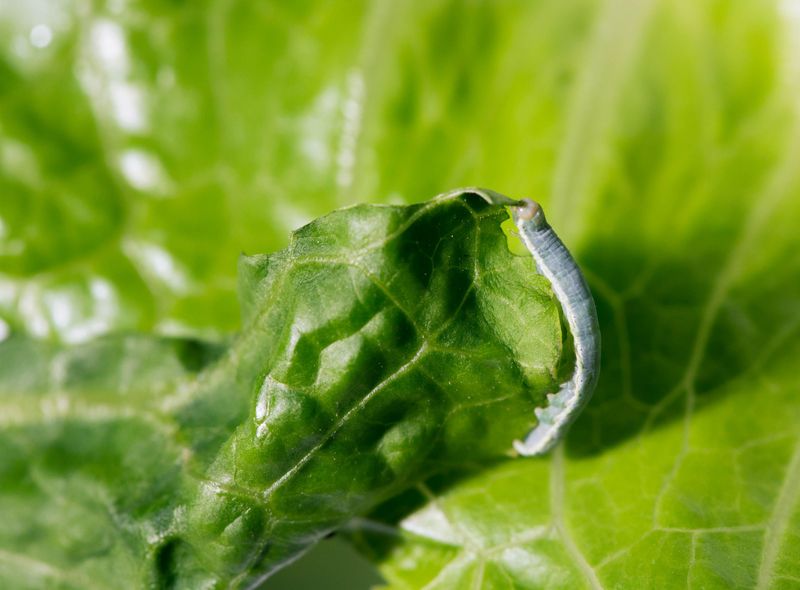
332	565
144	144
147	143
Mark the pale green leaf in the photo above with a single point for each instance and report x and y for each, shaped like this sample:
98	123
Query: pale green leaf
680	186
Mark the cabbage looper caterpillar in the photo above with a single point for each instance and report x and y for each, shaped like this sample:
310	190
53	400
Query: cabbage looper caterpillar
554	261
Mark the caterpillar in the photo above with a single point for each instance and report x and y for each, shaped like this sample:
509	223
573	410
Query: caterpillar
554	261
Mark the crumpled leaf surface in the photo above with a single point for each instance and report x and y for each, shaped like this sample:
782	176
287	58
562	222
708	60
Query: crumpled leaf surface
660	136
377	350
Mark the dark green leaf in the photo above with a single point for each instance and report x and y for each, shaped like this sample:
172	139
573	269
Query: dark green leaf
383	345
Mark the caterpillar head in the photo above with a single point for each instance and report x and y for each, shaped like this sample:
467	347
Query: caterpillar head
529	212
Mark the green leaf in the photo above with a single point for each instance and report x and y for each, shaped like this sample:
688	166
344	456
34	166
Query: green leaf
681	188
383	345
661	136
145	145
90	466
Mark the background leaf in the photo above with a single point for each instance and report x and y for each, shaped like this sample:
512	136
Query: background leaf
145	144
685	469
